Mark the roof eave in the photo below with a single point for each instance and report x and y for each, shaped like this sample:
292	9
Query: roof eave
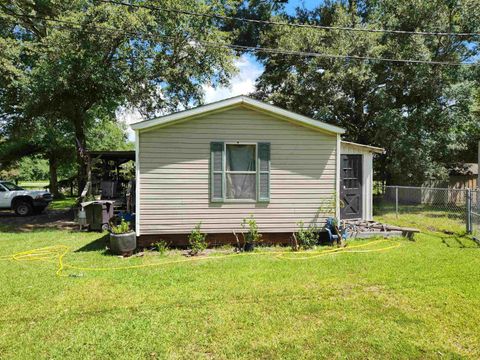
232	102
373	149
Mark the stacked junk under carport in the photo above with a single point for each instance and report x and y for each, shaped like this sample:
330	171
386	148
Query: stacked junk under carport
110	190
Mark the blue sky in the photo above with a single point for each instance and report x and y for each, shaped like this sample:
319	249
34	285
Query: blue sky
308	4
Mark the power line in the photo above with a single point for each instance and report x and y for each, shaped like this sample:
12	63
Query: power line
254	49
257	49
279	23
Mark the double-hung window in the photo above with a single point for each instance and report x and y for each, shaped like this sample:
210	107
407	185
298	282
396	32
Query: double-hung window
239	172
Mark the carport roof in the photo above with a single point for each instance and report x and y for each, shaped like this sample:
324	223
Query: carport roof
121	156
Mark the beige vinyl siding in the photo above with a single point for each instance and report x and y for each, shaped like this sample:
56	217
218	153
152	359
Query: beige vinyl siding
367	176
174	174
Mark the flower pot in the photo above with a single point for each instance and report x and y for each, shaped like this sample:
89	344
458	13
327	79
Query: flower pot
249	246
123	244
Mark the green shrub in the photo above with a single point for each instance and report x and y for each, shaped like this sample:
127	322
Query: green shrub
307	237
252	236
161	247
197	240
122	228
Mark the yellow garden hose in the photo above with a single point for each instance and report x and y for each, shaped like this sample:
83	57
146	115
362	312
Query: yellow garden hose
55	254
336	251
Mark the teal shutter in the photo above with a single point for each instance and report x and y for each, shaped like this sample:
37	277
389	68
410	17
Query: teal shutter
217	173
263	171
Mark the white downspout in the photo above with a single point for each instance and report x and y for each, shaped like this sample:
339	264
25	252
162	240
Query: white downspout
137	182
337	178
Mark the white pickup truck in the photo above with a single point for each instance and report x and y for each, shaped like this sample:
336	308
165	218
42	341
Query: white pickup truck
23	202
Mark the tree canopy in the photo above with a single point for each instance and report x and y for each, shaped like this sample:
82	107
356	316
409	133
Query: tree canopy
420	113
64	64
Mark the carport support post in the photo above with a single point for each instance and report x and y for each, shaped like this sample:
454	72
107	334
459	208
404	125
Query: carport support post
469	210
396	201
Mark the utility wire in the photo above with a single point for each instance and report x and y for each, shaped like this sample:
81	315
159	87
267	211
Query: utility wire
255	49
279	23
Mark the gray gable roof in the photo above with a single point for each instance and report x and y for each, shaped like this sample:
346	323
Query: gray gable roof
226	104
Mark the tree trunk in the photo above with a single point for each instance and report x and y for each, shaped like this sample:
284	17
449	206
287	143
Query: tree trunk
53	166
82	158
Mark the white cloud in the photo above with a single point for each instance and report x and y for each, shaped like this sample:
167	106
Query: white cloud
241	84
129	116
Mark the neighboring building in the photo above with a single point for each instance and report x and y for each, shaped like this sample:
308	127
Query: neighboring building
463	176
220	163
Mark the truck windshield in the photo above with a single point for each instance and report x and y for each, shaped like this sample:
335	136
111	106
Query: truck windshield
11	186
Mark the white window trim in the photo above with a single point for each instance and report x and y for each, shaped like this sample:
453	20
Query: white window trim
251	201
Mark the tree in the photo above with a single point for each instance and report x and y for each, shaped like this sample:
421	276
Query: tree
420	113
248	33
38	154
44	139
74	62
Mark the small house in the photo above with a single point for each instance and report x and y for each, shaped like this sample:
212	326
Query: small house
464	176
222	162
461	176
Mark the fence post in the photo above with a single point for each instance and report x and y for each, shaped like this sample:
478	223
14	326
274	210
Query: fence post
469	210
396	201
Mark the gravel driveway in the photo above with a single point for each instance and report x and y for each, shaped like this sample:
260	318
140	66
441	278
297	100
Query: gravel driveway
49	219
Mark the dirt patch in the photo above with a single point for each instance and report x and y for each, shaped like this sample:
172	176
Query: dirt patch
50	219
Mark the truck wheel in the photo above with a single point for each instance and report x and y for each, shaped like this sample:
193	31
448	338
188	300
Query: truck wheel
23	208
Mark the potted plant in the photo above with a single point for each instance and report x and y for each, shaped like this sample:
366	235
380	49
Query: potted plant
122	239
252	236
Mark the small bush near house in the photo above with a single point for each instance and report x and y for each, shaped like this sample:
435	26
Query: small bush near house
197	240
161	246
307	237
252	236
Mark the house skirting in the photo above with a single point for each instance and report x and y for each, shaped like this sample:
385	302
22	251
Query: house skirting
219	239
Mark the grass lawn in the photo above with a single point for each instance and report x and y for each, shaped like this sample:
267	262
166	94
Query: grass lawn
418	300
65	203
33	185
426	219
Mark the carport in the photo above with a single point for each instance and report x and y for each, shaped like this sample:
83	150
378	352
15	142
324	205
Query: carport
111	176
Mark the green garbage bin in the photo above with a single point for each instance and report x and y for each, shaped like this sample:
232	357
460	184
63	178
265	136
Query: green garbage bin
98	214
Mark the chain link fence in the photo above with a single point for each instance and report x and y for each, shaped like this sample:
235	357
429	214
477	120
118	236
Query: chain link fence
458	207
476	223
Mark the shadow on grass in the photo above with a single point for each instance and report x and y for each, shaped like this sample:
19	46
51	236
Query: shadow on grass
96	245
447	224
48	220
458	241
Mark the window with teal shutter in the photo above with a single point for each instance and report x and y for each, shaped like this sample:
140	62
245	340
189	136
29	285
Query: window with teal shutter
263	171
217	172
239	172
